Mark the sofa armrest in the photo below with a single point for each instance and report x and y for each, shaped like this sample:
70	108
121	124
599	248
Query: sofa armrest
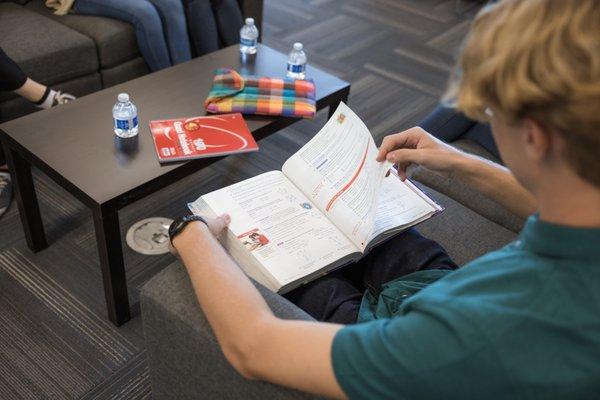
185	360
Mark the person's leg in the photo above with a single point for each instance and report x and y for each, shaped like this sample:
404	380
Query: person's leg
13	79
5	190
337	297
5	182
331	298
145	19
11	75
175	28
202	26
449	125
31	90
446	123
47	97
482	135
404	254
229	20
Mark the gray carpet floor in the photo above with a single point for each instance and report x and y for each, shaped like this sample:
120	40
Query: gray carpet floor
55	341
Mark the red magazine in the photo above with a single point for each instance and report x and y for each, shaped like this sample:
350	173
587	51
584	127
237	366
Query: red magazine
198	137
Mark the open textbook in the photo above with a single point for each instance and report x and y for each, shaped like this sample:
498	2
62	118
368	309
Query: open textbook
327	207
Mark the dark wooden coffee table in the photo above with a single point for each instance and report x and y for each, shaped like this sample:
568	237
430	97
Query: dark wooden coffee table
75	146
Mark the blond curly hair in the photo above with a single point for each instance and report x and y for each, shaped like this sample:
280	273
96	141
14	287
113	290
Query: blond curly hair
537	59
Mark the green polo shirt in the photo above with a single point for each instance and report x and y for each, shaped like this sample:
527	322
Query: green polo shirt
519	323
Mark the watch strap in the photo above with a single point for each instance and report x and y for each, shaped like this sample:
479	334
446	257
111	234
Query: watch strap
179	224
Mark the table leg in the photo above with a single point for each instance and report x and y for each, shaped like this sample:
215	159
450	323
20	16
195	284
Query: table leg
27	202
108	238
342	97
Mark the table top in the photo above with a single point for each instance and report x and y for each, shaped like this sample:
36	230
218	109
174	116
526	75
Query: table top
75	143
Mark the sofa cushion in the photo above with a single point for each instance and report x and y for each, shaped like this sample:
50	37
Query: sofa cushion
124	72
115	40
46	50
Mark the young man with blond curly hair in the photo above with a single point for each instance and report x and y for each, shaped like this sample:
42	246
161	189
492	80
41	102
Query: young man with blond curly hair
521	322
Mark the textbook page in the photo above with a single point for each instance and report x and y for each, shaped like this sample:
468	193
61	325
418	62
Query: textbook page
280	226
400	205
338	172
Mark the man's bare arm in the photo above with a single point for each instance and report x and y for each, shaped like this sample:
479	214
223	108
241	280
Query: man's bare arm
296	354
496	182
416	146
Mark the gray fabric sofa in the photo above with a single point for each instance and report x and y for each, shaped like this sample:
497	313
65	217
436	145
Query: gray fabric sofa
184	357
74	53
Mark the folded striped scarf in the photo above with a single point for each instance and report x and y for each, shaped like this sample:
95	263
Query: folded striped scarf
233	93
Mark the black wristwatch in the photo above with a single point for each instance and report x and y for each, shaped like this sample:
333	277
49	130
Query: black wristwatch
180	223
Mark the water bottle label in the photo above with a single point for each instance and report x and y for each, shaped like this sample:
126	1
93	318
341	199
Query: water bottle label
248	42
124	123
296	68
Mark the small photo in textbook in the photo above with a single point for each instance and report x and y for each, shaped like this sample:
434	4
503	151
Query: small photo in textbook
327	207
253	239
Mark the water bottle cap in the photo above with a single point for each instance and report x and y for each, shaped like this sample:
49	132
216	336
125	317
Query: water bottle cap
123	97
298	46
249	21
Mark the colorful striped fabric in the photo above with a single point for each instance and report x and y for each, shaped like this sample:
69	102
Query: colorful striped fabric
233	93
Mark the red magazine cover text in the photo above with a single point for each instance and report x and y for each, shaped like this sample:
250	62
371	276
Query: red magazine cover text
198	137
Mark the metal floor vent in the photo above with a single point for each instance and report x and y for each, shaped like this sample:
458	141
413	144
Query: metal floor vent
149	236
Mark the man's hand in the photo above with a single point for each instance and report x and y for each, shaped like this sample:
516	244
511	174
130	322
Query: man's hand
416	146
216	226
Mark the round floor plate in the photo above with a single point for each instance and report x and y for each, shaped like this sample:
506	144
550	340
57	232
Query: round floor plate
149	236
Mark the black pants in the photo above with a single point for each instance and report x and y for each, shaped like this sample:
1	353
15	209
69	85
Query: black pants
449	125
11	76
212	23
337	297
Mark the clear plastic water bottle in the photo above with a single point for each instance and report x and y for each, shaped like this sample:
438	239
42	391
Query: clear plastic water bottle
296	65
248	37
125	117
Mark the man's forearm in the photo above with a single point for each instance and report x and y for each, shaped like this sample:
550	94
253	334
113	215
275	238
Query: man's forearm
496	182
296	354
230	302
